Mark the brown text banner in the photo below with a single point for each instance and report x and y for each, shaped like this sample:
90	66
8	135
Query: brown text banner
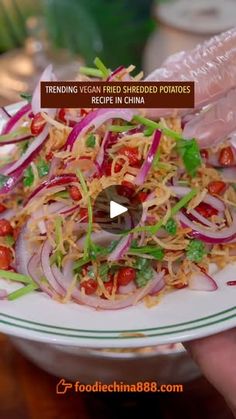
101	94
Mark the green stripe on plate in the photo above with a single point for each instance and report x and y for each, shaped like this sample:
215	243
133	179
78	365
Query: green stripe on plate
121	331
120	336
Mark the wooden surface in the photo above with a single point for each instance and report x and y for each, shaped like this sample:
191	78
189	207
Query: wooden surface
26	392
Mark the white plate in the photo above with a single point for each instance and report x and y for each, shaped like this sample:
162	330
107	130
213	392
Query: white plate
182	315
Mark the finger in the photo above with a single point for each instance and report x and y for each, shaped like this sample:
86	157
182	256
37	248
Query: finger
215	356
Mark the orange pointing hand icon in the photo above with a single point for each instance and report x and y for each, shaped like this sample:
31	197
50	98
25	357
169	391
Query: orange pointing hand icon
63	386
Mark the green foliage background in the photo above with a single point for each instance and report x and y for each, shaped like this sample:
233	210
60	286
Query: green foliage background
116	30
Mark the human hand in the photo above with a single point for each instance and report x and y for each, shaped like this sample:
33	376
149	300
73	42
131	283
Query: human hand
216	357
212	66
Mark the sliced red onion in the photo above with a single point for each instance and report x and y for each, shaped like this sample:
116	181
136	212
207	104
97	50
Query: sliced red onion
15	120
22	252
30	153
92	171
55	207
11	182
228	174
3	294
121	248
8	214
115	73
4	114
69	210
197	216
100	303
15	140
63	179
36	274
101	152
215	237
55	162
143	172
103	238
160	284
202	282
127	289
216	203
47	75
6	167
96	119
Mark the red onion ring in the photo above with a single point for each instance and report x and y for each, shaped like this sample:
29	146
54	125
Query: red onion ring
127	289
203	220
63	179
33	267
216	203
4	113
115	73
121	248
15	120
100	303
16	140
202	282
47	75
96	119
143	172
223	236
30	153
22	253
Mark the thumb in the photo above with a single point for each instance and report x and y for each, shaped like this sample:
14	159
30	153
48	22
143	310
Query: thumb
215	356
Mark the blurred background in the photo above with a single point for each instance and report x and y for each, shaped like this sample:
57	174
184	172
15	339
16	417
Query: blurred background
72	32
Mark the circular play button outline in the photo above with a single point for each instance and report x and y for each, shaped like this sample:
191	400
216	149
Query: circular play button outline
116	213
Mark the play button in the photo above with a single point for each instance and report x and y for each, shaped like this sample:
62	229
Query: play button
116	211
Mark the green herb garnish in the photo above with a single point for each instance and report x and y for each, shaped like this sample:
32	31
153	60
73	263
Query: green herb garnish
157	125
88	241
101	66
62	194
58	230
103	272
77	267
119	128
28	179
156	160
9	240
196	250
156	227
22	291
183	201
91	141
14	134
155	251
13	276
3	180
23	146
97	251
190	154
144	272
89	71
188	149
148	132
43	168
56	258
171	226
26	96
